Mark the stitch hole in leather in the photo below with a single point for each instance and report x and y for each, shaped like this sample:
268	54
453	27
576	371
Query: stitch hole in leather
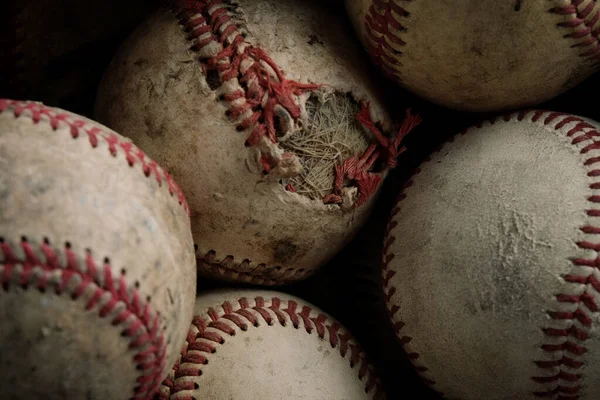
213	79
518	4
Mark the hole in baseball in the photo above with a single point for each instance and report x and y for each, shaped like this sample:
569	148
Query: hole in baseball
46	241
240	128
282	121
196	386
148	299
296	326
1	239
106	260
123	271
213	79
244	328
136	284
518	4
23	239
331	135
68	245
247	144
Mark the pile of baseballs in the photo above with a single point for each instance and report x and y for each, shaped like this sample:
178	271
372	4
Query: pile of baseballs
151	248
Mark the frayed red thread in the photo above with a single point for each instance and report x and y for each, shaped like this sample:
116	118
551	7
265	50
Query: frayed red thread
358	169
266	85
266	89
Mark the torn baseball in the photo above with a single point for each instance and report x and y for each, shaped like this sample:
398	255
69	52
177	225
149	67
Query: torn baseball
267	118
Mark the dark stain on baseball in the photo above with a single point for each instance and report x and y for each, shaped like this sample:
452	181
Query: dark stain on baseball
285	250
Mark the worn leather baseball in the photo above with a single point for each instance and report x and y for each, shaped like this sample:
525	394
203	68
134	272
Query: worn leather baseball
253	107
481	55
96	260
266	345
491	261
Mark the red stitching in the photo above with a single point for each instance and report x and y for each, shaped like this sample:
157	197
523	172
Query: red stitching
383	44
95	134
581	132
264	88
247	271
143	332
584	16
236	317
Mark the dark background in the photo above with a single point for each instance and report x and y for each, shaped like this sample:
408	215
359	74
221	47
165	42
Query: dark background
38	63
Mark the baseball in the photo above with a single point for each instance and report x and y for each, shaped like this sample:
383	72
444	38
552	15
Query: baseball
265	114
96	260
491	261
481	55
258	344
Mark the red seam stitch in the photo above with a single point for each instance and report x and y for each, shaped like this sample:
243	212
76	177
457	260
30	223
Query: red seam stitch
94	134
581	25
569	347
261	274
148	343
221	321
383	43
271	84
